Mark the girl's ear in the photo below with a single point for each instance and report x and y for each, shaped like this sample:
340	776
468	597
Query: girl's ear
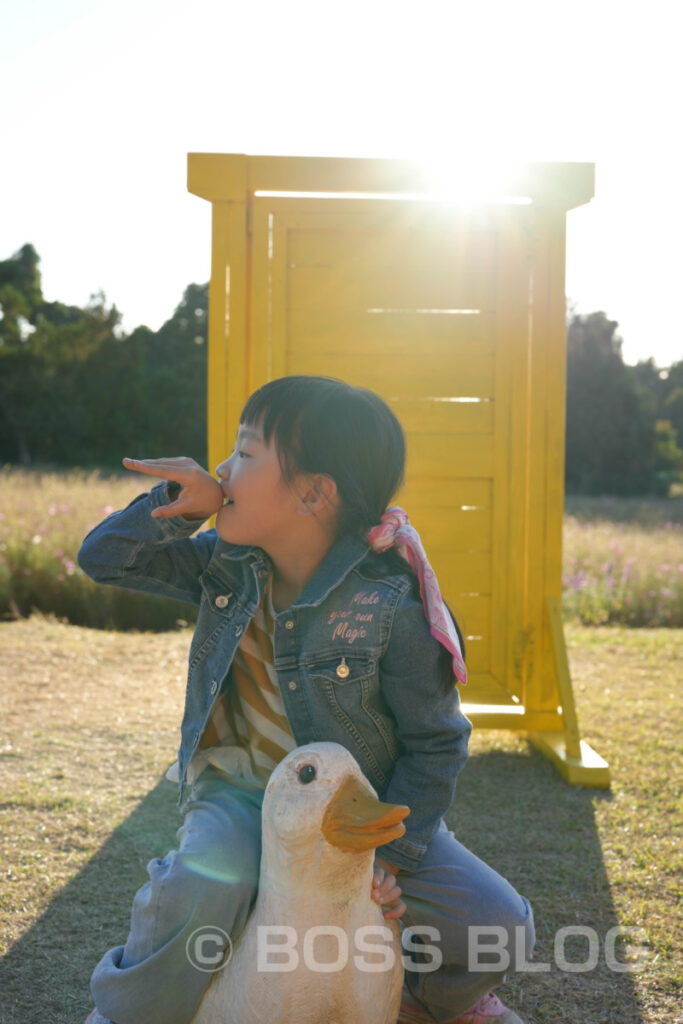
319	494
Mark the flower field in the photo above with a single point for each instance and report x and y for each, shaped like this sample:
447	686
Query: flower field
44	517
623	558
623	562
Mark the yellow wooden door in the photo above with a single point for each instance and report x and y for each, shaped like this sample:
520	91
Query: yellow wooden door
428	305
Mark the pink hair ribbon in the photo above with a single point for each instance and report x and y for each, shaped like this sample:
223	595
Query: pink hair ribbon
395	530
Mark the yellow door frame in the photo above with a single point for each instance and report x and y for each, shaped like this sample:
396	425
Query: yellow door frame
252	199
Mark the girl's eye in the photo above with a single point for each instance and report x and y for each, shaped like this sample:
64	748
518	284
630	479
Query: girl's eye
306	774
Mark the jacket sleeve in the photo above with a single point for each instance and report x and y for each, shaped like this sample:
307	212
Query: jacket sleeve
418	685
158	556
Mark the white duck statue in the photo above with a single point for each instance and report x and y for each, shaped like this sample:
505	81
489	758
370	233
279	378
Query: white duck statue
321	824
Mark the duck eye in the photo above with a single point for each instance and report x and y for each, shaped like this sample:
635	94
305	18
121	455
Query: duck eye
306	774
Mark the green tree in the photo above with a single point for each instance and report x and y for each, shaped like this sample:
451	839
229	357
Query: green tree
20	298
75	390
145	393
65	346
668	458
611	437
43	346
20	275
175	379
672	410
671	403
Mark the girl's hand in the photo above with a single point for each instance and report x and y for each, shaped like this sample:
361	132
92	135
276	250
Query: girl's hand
385	891
200	494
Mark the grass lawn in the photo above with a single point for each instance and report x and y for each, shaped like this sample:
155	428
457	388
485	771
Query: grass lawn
90	724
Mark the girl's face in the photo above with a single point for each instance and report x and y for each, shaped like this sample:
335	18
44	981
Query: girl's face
259	503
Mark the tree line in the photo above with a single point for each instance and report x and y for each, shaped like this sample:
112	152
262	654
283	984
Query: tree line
76	390
624	423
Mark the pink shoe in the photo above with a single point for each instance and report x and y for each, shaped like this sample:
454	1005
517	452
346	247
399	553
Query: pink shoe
488	1010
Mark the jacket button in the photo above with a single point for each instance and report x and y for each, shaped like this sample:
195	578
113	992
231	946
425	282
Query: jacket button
222	600
214	686
292	685
289	624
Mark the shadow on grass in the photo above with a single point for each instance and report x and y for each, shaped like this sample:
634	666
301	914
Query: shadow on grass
45	975
515	812
512	810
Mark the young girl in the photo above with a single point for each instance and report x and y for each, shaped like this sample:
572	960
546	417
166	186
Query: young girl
312	626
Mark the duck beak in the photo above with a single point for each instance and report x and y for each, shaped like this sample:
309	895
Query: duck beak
355	820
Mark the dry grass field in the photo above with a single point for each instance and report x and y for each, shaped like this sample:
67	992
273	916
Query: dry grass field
90	724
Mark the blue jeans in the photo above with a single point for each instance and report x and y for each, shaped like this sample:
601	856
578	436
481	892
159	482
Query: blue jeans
452	891
212	880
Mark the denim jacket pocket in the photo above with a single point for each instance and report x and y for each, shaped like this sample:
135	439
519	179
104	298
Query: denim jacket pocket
349	688
344	670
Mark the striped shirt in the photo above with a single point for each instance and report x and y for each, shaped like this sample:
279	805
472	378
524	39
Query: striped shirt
248	733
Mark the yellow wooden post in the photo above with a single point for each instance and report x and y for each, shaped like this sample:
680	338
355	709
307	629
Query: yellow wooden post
455	313
573	757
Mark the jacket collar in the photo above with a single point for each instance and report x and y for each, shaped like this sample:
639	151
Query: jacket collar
344	554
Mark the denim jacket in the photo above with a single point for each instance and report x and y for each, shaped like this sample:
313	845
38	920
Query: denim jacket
355	661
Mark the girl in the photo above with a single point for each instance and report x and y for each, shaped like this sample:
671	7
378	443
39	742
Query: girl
311	627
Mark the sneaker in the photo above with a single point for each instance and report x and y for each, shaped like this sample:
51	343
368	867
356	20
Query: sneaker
95	1017
488	1010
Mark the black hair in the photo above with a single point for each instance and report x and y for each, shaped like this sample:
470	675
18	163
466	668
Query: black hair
324	425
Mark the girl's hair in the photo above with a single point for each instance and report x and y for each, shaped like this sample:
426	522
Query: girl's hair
323	425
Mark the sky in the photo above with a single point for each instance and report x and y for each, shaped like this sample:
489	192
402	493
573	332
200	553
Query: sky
103	99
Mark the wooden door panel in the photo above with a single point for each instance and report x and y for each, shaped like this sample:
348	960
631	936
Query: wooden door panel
419	312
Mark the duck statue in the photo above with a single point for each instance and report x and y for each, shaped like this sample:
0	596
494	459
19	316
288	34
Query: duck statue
340	961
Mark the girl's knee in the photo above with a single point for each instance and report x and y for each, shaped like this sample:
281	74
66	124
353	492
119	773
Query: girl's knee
517	934
525	937
185	887
503	937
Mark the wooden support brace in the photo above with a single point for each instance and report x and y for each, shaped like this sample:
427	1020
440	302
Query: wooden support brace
576	760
